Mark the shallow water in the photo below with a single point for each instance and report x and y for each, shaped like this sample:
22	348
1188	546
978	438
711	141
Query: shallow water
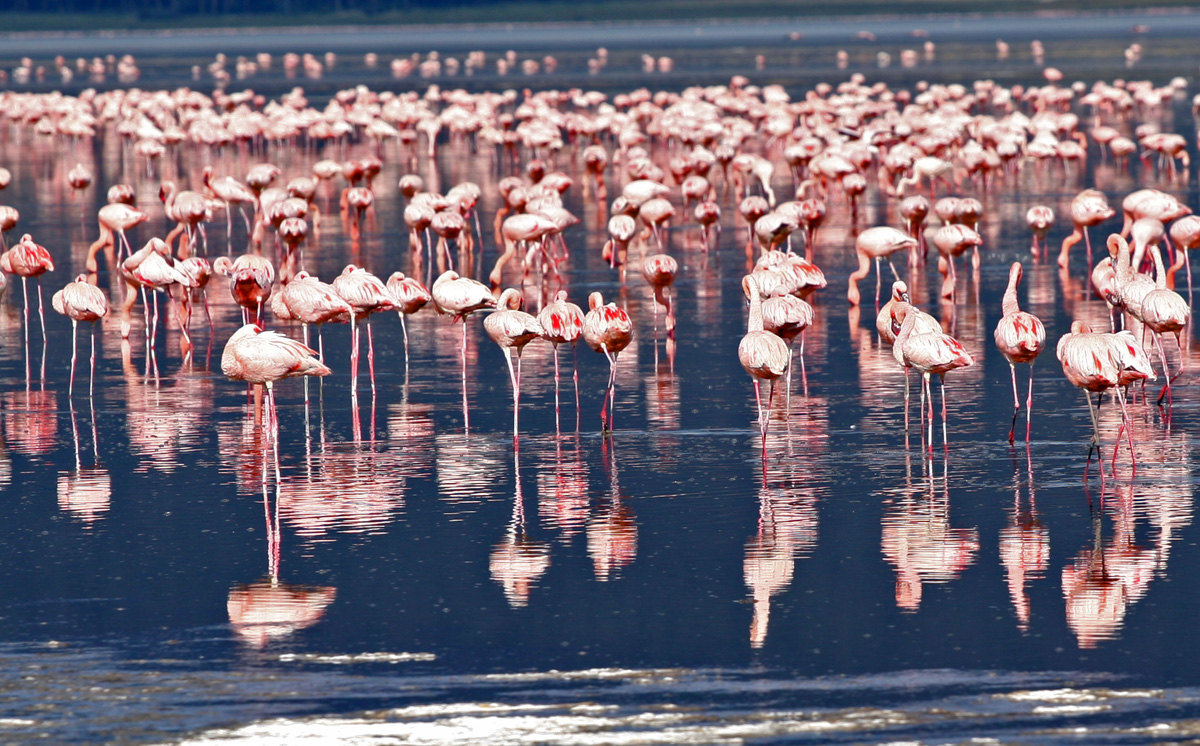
405	579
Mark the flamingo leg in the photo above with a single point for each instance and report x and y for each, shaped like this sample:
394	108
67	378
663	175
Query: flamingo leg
1016	400
353	357
466	417
71	385
92	380
1029	407
1162	355
575	365
371	355
556	389
945	439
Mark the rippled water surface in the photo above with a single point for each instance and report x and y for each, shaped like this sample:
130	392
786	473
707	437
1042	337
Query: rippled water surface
393	574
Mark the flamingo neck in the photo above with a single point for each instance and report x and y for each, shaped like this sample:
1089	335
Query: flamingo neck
1009	304
755	321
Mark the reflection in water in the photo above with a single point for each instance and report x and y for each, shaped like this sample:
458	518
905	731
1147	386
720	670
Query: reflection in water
1024	547
269	609
31	421
518	561
85	492
563	488
919	541
787	510
611	529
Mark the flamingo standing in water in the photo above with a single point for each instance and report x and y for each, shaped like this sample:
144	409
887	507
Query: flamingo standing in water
114	218
459	297
310	301
512	329
410	296
259	357
1164	311
1020	337
28	259
562	322
876	243
930	352
366	295
1096	362
764	355
607	329
252	277
1039	218
659	271
81	301
1090	207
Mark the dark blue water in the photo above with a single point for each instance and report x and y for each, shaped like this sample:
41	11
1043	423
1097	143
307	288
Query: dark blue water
405	579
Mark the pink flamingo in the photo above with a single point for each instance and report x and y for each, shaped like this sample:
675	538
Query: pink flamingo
232	192
931	353
252	278
876	243
310	301
366	294
512	329
1090	362
459	297
81	301
659	271
189	210
410	296
764	355
259	357
1164	311
27	259
607	329
562	322
1039	218
114	218
1090	207
1020	337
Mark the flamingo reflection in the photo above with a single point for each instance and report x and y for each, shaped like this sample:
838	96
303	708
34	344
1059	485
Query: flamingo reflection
919	541
517	561
85	492
1024	547
268	610
612	530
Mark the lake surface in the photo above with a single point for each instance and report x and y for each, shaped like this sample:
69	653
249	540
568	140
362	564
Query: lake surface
393	573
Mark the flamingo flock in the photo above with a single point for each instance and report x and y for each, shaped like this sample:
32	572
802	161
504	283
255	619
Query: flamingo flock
850	175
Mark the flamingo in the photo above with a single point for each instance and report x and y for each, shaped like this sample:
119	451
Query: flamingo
253	277
459	297
764	355
930	352
81	301
607	329
260	357
1095	362
562	322
366	294
876	243
1020	337
512	329
310	301
232	192
1185	232
1090	207
659	270
189	210
1039	218
28	259
410	296
1164	310
114	218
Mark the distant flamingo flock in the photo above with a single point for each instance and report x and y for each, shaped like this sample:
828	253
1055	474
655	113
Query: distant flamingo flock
801	172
